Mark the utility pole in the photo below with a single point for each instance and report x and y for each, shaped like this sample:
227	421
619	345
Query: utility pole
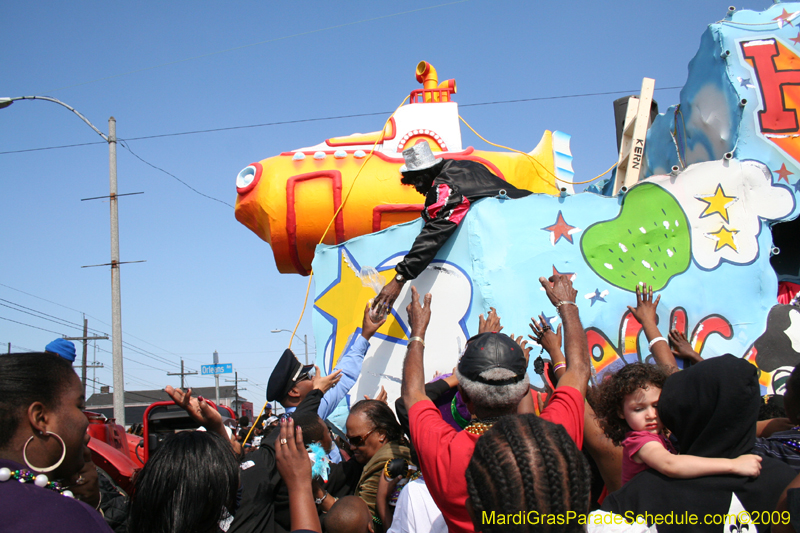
216	376
236	381
84	339
181	374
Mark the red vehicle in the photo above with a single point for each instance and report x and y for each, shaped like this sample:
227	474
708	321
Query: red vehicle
121	454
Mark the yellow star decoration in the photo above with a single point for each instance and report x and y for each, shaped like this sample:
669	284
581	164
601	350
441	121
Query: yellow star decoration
717	203
724	237
345	302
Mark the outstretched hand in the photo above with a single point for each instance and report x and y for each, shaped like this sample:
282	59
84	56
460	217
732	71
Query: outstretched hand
681	347
382	396
524	345
325	383
418	315
383	303
491	323
645	311
559	288
291	456
197	408
370	326
544	335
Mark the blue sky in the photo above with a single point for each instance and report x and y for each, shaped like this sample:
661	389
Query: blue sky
173	67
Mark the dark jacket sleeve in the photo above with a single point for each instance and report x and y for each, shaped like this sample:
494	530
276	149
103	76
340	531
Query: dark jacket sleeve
445	207
433	390
310	404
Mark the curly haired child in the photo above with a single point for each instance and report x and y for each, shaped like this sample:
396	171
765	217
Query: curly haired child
626	404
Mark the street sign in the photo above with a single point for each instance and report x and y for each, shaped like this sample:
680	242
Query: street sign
223	368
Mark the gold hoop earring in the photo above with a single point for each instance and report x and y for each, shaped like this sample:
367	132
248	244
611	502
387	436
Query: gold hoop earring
49	468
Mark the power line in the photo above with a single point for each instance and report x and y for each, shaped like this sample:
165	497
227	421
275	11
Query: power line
285	122
127	344
34	327
302	34
38	313
125	145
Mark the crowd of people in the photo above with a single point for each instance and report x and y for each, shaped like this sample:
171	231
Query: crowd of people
650	447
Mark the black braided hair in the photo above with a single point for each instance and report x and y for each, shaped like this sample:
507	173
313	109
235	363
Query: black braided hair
523	464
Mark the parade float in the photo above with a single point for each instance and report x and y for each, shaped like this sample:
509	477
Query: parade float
716	176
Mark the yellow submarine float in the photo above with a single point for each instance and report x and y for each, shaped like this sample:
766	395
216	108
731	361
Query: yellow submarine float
289	200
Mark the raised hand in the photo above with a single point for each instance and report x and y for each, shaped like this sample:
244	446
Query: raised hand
645	311
524	345
544	335
325	383
559	289
490	323
369	326
291	456
201	411
418	315
382	396
681	347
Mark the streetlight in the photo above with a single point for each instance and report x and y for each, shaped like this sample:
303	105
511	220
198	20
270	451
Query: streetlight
116	307
304	339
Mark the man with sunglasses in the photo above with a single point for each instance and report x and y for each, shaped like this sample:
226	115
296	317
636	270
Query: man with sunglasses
291	381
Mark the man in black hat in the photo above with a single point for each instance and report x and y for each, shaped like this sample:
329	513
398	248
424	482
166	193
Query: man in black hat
492	379
291	381
450	186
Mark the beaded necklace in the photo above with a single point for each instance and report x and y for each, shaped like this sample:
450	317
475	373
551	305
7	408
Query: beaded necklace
40	480
793	443
479	427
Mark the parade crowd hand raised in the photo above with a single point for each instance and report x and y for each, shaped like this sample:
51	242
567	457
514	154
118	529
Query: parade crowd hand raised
491	323
291	456
524	345
559	288
200	410
681	347
645	310
545	336
382	396
369	326
418	315
325	383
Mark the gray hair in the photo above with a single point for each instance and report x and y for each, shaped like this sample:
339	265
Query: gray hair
494	397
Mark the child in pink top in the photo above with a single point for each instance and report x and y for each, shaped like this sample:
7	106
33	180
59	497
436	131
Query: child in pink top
626	404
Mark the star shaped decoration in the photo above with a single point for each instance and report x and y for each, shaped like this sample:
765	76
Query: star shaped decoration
796	40
597	296
342	305
747	83
797	186
570	274
784	18
724	237
560	229
783	173
717	203
547	319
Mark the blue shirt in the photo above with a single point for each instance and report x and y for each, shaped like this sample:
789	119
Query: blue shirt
350	365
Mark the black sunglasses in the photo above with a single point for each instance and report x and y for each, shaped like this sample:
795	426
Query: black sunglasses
359	441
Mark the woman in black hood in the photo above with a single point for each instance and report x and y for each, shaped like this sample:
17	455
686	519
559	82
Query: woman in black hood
712	409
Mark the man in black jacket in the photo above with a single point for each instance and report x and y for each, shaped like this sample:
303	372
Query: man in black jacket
450	187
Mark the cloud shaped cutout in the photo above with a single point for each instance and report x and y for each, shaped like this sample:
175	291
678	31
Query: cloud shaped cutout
724	202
